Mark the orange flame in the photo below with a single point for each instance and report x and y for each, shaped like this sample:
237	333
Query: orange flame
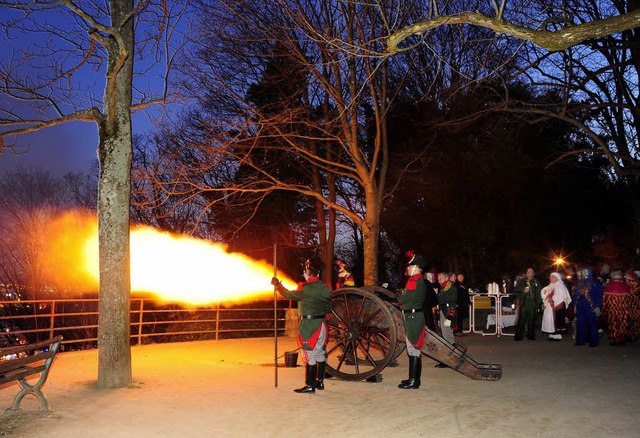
175	267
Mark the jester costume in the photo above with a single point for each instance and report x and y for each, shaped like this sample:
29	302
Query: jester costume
587	297
634	298
528	304
616	309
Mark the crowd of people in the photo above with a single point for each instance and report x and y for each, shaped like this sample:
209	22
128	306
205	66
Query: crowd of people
591	302
585	302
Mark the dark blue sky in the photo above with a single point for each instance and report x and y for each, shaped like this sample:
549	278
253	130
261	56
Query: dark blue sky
60	149
69	147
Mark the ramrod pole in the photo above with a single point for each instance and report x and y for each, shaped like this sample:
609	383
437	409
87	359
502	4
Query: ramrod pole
275	309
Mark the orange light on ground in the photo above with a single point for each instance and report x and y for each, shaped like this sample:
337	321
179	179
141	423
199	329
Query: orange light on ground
173	267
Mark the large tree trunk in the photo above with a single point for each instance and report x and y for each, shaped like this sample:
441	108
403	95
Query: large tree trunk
371	238
114	193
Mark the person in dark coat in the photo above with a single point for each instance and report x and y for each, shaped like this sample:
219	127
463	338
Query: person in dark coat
464	301
528	305
430	301
447	303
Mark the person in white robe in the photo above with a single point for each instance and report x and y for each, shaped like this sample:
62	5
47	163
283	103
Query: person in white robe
555	299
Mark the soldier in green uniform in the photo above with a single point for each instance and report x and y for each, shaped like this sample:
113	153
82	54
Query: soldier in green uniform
412	299
314	308
528	303
447	303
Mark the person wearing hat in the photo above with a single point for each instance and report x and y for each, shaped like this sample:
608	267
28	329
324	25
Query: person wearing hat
616	308
314	297
412	300
555	299
344	276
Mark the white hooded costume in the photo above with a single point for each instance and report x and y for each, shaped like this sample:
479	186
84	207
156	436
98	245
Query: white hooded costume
553	295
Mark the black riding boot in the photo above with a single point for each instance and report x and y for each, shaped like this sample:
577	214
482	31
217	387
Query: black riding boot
415	371
320	379
310	373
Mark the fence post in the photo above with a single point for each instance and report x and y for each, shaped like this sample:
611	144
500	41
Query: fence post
140	320
52	319
217	320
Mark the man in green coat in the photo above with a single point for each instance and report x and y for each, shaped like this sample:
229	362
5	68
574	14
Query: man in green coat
412	300
528	304
447	300
314	309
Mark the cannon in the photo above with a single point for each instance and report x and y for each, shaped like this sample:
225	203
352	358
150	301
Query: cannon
366	334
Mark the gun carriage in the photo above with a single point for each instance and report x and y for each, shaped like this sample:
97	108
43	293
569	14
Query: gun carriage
366	334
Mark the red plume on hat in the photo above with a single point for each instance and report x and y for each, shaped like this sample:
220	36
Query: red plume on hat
415	259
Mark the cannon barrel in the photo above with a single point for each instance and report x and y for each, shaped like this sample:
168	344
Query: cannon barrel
366	334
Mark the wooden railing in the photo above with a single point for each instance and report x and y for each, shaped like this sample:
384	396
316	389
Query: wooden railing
151	322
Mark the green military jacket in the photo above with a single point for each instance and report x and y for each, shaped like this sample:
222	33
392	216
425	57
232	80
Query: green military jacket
314	297
413	296
528	302
447	300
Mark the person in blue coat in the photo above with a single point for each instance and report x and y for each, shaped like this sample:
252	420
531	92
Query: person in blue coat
587	297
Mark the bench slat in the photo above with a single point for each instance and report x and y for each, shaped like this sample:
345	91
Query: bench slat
12	364
21	373
29	347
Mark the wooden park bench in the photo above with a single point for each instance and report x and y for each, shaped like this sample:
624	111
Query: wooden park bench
20	362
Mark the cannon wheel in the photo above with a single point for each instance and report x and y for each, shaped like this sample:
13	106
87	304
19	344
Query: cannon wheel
363	334
389	298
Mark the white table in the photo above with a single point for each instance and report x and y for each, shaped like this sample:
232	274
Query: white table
503	315
506	319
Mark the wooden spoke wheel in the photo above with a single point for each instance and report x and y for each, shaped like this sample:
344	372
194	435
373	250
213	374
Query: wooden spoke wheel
363	334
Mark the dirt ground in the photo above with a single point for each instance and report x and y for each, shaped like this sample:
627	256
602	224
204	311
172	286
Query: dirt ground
228	389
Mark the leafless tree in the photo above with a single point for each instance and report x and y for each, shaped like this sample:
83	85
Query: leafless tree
60	51
29	199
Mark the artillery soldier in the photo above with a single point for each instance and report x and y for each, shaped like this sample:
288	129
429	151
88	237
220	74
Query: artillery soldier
413	296
314	309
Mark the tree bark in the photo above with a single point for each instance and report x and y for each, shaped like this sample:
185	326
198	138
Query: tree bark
114	196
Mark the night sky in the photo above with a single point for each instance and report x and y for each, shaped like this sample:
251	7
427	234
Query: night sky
58	150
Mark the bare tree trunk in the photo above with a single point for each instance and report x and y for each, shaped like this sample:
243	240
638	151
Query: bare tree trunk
371	240
114	196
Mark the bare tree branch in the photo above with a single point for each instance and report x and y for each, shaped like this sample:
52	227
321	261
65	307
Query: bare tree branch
551	40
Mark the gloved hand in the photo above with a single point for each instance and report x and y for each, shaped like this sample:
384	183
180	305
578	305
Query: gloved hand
447	323
597	311
275	281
